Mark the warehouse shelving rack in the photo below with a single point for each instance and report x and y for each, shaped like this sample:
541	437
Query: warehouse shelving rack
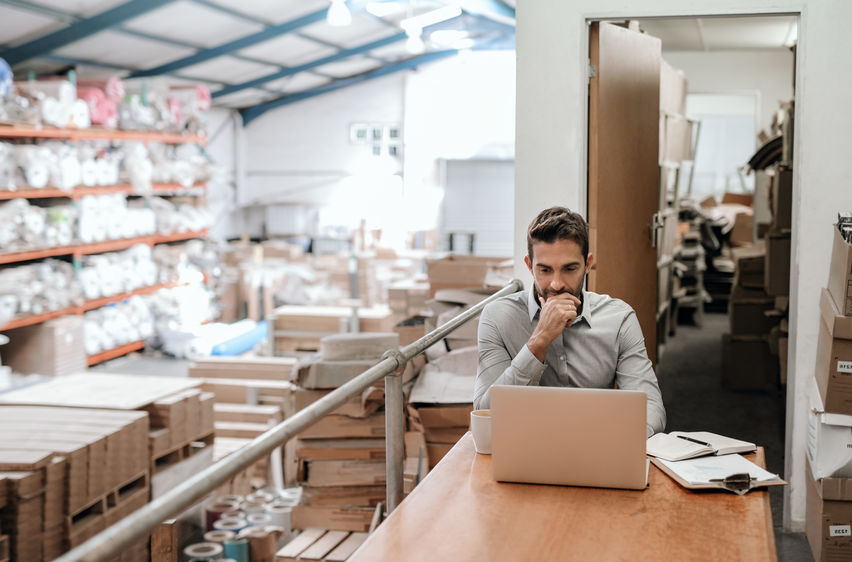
76	251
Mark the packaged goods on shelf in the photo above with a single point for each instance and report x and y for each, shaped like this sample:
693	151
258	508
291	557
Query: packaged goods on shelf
137	166
179	218
57	102
175	263
23	225
118	324
188	305
37	288
104	275
7	166
108	217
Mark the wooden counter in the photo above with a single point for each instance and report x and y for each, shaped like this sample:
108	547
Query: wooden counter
460	513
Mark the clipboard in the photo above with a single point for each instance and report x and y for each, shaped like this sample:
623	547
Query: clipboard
738	483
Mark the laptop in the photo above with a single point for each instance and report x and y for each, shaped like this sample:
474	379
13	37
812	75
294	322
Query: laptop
569	436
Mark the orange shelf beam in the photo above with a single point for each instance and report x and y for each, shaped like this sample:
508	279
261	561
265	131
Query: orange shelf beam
78	192
99	134
86	306
117	352
99	247
38	318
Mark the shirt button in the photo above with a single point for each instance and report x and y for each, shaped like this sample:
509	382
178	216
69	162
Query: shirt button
562	358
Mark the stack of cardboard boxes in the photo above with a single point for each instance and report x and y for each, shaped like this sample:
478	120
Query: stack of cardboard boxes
829	472
341	459
755	351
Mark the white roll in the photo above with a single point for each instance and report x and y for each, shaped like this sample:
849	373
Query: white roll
235	525
89	172
258	519
204	550
280	515
80	114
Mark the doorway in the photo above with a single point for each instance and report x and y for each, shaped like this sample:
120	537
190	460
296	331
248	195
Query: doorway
719	233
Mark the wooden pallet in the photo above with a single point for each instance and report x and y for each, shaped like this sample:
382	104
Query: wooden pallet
174	455
320	544
107	509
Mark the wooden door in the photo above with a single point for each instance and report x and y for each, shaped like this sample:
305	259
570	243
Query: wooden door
624	110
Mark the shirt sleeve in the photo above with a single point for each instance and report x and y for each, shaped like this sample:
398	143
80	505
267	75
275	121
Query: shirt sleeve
635	372
496	365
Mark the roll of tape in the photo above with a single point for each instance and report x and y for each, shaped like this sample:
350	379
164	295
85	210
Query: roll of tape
230	498
259	497
253	507
238	549
216	511
258	519
280	515
204	550
235	525
219	536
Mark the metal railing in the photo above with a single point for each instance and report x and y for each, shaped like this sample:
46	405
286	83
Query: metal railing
136	525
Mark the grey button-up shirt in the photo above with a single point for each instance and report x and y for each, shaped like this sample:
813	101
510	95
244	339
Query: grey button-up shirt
603	345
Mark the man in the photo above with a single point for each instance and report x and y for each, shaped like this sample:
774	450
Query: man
557	333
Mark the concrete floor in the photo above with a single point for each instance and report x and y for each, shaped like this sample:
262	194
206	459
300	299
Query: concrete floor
689	376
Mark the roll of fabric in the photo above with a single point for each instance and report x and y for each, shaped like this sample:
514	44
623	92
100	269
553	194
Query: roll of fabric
80	116
234	499
219	536
238	549
204	551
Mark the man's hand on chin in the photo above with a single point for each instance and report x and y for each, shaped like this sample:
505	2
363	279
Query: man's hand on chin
557	312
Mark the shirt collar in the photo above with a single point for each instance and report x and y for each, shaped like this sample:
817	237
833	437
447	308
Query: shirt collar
534	308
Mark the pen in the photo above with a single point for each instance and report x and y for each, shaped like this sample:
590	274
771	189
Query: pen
694	440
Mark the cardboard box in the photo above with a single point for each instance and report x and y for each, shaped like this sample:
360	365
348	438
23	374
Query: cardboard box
834	357
53	348
746	312
743	232
840	274
750	264
828	516
747	363
454	271
777	273
781	200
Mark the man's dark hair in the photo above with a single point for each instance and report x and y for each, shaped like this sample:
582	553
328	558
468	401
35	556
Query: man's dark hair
558	223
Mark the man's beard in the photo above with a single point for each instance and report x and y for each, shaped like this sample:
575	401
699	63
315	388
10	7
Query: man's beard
577	292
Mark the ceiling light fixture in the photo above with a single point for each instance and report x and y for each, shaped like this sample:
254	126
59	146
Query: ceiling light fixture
338	14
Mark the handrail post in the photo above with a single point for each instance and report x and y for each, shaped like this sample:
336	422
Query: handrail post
394	431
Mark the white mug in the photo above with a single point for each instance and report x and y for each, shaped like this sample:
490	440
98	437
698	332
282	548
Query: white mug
480	426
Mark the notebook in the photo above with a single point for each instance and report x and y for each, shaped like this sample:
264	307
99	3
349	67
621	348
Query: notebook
569	436
680	445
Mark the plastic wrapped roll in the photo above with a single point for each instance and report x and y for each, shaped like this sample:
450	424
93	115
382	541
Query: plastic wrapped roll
7	166
280	515
5	78
35	163
89	172
80	118
102	110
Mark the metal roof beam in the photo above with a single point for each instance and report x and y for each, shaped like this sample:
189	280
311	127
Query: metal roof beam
241	43
249	114
79	30
232	12
491	9
346	53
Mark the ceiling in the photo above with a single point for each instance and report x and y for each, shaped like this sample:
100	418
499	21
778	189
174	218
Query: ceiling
254	55
723	33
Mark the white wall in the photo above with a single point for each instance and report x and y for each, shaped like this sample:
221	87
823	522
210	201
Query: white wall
300	154
769	72
552	44
458	109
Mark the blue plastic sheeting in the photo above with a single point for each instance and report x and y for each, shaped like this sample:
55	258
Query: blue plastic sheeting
242	343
